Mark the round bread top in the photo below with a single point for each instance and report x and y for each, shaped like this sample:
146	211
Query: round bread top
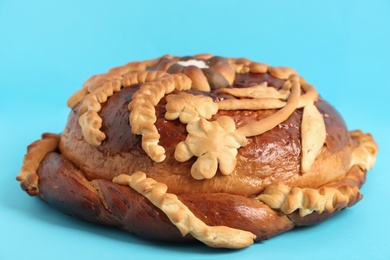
206	124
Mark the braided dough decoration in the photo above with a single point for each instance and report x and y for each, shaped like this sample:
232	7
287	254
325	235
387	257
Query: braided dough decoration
214	140
90	121
259	91
218	72
98	81
35	153
329	197
182	217
365	154
307	200
142	116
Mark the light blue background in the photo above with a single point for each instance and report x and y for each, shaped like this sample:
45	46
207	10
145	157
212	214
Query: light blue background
49	48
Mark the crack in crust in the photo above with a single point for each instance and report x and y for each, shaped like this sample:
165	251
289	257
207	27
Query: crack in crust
182	217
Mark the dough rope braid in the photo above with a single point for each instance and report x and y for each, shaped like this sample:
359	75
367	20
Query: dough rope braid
328	198
259	91
90	121
332	196
114	73
244	65
214	73
288	98
307	200
142	116
365	154
217	156
215	143
182	217
35	153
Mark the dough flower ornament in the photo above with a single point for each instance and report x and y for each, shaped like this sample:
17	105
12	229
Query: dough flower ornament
221	150
188	107
214	143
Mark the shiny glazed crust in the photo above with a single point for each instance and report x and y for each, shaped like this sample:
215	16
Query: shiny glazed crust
161	147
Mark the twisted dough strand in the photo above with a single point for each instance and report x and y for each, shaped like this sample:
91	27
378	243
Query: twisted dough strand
365	154
97	81
35	153
182	217
143	114
331	196
90	120
307	200
141	77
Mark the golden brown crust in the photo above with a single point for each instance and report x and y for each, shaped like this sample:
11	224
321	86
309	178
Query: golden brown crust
106	202
183	136
182	217
113	204
36	151
367	149
142	118
252	173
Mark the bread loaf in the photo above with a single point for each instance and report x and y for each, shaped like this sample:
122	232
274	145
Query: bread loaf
220	150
